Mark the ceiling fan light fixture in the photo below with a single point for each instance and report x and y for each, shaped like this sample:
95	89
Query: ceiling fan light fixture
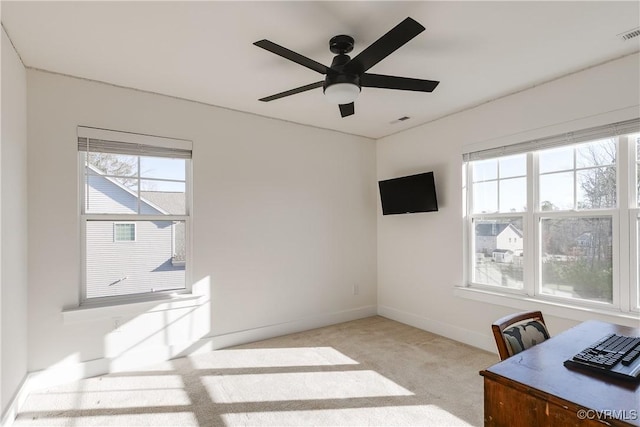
342	93
344	78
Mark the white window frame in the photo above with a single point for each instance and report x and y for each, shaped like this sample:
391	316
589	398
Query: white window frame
625	219
144	142
634	223
115	233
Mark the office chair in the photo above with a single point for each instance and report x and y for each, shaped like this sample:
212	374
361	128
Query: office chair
517	332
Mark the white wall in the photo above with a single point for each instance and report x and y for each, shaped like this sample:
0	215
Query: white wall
284	224
285	221
420	256
13	225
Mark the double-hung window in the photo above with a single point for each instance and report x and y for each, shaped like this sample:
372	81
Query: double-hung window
134	211
558	219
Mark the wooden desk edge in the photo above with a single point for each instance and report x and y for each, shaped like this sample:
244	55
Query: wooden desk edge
566	405
565	345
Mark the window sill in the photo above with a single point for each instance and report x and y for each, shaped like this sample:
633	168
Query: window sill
552	308
98	312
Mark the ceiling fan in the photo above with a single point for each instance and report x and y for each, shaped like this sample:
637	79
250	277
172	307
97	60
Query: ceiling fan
345	77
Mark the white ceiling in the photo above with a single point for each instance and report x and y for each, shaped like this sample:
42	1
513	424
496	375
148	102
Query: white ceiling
203	51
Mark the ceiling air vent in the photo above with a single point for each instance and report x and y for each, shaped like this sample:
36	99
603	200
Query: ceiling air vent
398	120
627	35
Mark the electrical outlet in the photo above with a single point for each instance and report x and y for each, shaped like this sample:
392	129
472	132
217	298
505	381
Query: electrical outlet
117	324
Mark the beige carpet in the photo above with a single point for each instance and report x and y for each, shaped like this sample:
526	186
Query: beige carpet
369	372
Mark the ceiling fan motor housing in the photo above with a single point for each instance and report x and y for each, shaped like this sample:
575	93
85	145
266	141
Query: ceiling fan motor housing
341	44
338	63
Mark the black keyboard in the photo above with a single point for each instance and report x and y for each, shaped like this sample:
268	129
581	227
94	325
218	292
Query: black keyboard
614	355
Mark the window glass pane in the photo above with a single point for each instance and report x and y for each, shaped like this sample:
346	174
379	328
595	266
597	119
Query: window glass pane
513	166
109	195
556	159
485	197
162	197
485	169
113	164
513	195
597	188
637	264
154	262
577	258
637	138
130	183
162	167
124	232
556	191
599	153
498	257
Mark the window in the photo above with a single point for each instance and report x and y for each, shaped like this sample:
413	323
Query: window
499	191
558	219
124	232
134	214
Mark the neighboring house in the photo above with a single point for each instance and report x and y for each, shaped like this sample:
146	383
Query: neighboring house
589	244
173	203
490	237
502	255
157	248
585	240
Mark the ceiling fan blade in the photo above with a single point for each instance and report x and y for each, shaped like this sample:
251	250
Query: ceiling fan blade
293	56
347	110
292	91
401	83
384	46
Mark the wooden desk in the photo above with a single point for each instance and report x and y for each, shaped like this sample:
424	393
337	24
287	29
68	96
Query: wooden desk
534	388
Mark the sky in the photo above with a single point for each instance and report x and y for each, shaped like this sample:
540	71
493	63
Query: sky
499	185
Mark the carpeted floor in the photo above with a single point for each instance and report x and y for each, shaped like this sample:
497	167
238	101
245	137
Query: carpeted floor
368	372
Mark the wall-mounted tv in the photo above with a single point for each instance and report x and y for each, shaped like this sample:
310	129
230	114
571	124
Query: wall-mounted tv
408	194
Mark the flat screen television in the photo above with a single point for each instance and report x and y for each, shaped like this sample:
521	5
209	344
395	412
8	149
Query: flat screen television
408	194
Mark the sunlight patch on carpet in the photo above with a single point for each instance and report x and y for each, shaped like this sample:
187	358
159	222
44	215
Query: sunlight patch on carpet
300	386
120	382
156	419
132	398
271	358
423	415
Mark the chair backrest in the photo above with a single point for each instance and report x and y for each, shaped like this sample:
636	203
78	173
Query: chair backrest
517	332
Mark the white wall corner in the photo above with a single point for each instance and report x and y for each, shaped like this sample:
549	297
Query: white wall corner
466	336
300	325
10	414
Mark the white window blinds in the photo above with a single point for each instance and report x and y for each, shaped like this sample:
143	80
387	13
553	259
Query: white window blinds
584	135
109	141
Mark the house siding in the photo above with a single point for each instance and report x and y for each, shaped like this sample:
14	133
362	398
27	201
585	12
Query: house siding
121	268
104	196
509	239
145	263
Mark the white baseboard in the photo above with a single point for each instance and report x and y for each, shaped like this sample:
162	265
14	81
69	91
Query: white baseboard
135	360
484	342
270	331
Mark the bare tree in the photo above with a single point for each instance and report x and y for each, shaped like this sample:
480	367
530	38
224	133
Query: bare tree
598	183
122	167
